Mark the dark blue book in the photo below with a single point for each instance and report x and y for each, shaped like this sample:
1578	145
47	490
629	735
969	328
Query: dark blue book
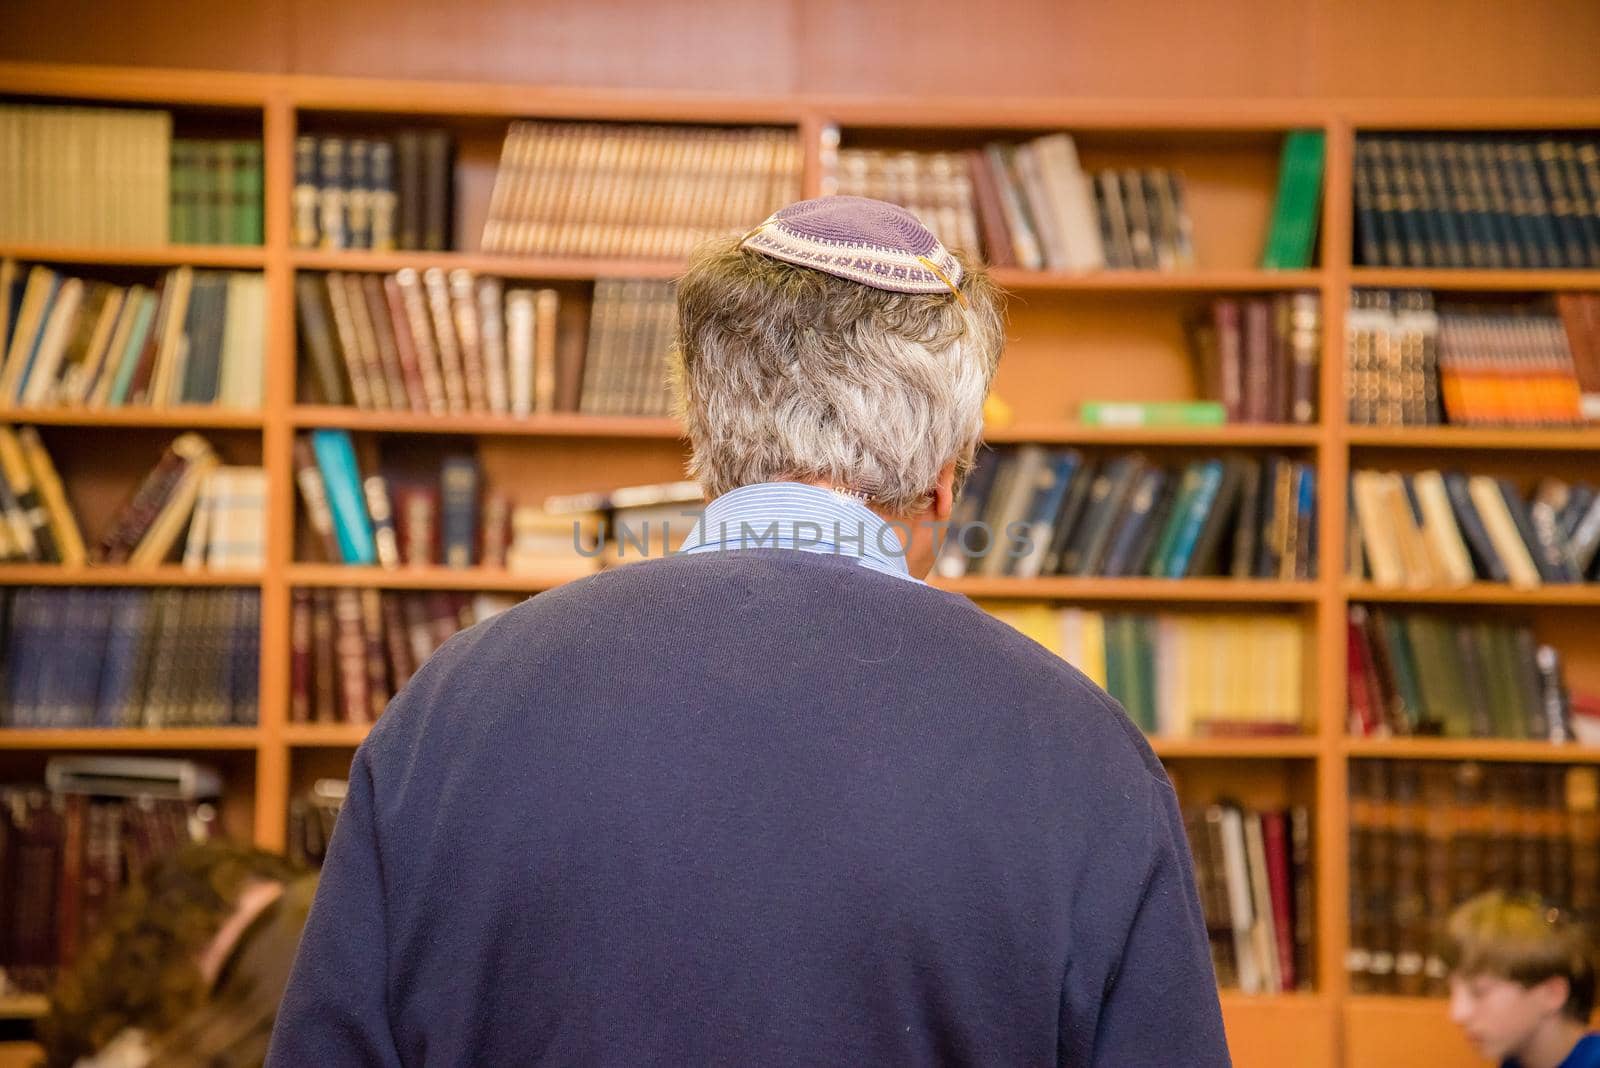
1195	513
1484	558
459	482
1140	517
125	631
1547	558
1048	496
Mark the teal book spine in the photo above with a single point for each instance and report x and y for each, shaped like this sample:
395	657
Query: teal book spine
1194	519
336	456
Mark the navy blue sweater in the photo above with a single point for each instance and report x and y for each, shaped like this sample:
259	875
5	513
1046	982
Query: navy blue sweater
760	807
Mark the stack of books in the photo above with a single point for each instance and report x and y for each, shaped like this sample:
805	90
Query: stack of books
1033	511
130	657
222	508
587	189
1410	363
352	650
1445	528
1422	673
1181	675
1484	201
374	193
85	175
196	337
216	192
1253	870
311	819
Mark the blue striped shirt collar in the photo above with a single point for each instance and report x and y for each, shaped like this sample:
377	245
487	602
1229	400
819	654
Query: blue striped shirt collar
793	515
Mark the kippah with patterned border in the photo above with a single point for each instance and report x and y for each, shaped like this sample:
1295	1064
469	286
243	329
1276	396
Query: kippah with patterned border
867	241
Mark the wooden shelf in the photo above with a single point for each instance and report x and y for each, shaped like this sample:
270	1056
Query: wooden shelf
555	269
1470	437
477	580
1262	748
1263	435
151	738
238	257
1389	1032
1495	749
325	735
1199	590
1263	1027
198	417
1020	280
1487	593
1463	280
558	424
165	575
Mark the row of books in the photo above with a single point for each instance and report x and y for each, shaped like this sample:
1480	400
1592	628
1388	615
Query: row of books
1259	356
642	191
195	337
311	818
1446	528
352	650
67	847
216	192
221	507
1033	205
1181	675
633	326
1426	836
374	193
85	657
1409	362
431	341
84	175
394	518
1423	673
1033	511
1254	875
1481	201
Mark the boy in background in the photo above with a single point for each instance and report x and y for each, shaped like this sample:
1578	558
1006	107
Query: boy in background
1522	982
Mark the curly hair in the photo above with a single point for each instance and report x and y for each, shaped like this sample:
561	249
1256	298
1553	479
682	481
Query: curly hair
140	966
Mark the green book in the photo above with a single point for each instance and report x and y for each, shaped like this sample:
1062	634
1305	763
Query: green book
1152	413
247	193
219	161
182	216
1292	236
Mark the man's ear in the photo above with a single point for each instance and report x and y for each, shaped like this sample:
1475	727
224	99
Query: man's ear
943	494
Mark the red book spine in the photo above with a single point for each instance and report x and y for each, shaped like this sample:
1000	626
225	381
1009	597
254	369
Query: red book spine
1276	842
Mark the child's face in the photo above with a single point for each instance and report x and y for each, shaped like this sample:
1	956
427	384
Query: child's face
1499	1016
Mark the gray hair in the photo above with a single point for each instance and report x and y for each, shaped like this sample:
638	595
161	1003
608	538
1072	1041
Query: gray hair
786	373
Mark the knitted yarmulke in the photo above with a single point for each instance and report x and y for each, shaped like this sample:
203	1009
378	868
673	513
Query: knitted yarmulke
868	241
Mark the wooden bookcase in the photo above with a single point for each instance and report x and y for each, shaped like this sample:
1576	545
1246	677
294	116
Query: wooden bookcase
1071	338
